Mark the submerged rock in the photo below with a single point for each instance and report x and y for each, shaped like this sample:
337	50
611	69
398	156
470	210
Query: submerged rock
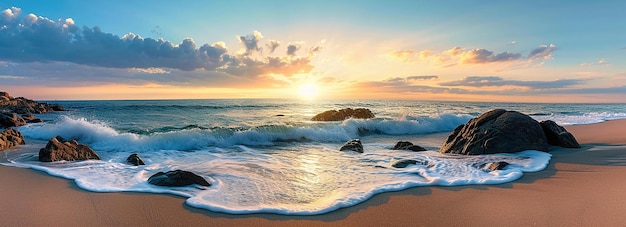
59	149
558	135
11	138
406	145
352	145
403	163
496	166
134	159
177	178
342	114
496	131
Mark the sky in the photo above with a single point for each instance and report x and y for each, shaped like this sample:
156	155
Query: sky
491	51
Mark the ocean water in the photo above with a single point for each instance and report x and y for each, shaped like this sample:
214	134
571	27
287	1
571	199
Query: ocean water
266	156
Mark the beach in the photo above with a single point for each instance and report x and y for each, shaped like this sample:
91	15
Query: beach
580	187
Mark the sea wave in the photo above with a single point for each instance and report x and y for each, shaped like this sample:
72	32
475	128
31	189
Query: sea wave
101	136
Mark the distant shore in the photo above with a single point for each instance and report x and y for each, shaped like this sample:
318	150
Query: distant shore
580	187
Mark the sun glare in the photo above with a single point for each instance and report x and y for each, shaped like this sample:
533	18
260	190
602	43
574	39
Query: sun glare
308	91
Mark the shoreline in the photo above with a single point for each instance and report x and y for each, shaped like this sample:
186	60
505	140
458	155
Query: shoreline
577	188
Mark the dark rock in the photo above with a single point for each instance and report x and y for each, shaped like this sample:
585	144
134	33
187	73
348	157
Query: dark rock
403	163
177	178
352	145
280	115
58	149
558	135
406	145
342	114
57	107
11	138
496	166
135	160
11	120
496	131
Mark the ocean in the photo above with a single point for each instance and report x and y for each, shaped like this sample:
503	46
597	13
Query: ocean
267	156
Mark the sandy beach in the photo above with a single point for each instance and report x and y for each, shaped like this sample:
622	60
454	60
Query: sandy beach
580	187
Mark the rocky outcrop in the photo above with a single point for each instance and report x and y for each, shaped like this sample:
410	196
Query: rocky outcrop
10	138
59	149
496	131
11	120
406	145
352	145
558	135
342	114
30	118
21	105
403	163
177	178
135	160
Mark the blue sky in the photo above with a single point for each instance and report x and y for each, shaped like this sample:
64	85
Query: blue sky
536	51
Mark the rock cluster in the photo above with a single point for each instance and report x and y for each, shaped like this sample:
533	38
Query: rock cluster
501	131
59	149
177	178
342	114
10	138
11	108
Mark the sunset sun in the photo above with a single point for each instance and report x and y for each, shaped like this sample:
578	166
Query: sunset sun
308	91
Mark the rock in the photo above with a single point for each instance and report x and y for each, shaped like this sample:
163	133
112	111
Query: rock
406	145
58	149
11	138
496	131
30	118
558	135
11	120
496	166
135	160
57	107
403	163
352	145
177	178
342	114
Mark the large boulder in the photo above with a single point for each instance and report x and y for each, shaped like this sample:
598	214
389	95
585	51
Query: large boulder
558	135
10	138
59	149
496	131
352	145
342	114
11	120
177	178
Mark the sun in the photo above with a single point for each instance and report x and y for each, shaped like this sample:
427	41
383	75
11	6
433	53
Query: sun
308	91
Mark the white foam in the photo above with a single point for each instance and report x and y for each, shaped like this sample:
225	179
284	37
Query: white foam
304	179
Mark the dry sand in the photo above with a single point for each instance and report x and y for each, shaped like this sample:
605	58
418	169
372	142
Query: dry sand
580	187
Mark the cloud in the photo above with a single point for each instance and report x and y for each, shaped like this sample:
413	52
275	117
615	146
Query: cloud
292	48
251	42
489	81
542	52
30	38
602	61
459	55
272	45
412	78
